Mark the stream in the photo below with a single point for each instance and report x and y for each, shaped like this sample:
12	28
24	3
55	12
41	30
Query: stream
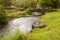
24	24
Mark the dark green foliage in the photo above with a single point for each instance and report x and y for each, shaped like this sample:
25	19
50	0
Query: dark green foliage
59	3
3	17
6	3
55	3
45	3
49	3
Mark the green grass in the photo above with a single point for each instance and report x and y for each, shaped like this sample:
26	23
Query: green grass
51	30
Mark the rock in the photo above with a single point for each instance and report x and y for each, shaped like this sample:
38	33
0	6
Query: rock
38	25
41	25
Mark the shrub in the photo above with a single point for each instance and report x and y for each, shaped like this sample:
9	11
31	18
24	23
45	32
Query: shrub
45	3
49	3
3	16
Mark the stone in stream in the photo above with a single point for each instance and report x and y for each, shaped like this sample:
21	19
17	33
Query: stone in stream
38	25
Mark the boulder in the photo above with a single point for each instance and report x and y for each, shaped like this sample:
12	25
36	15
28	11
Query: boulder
38	25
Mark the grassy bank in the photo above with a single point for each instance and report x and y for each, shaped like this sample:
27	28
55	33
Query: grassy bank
52	29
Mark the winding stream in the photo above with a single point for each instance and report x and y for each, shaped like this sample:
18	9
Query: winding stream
24	24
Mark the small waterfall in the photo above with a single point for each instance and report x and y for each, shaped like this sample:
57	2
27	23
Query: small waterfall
24	24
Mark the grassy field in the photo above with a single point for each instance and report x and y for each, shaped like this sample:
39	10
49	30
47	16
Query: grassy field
50	32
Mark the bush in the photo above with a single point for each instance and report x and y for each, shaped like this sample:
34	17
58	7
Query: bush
3	17
49	3
45	3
